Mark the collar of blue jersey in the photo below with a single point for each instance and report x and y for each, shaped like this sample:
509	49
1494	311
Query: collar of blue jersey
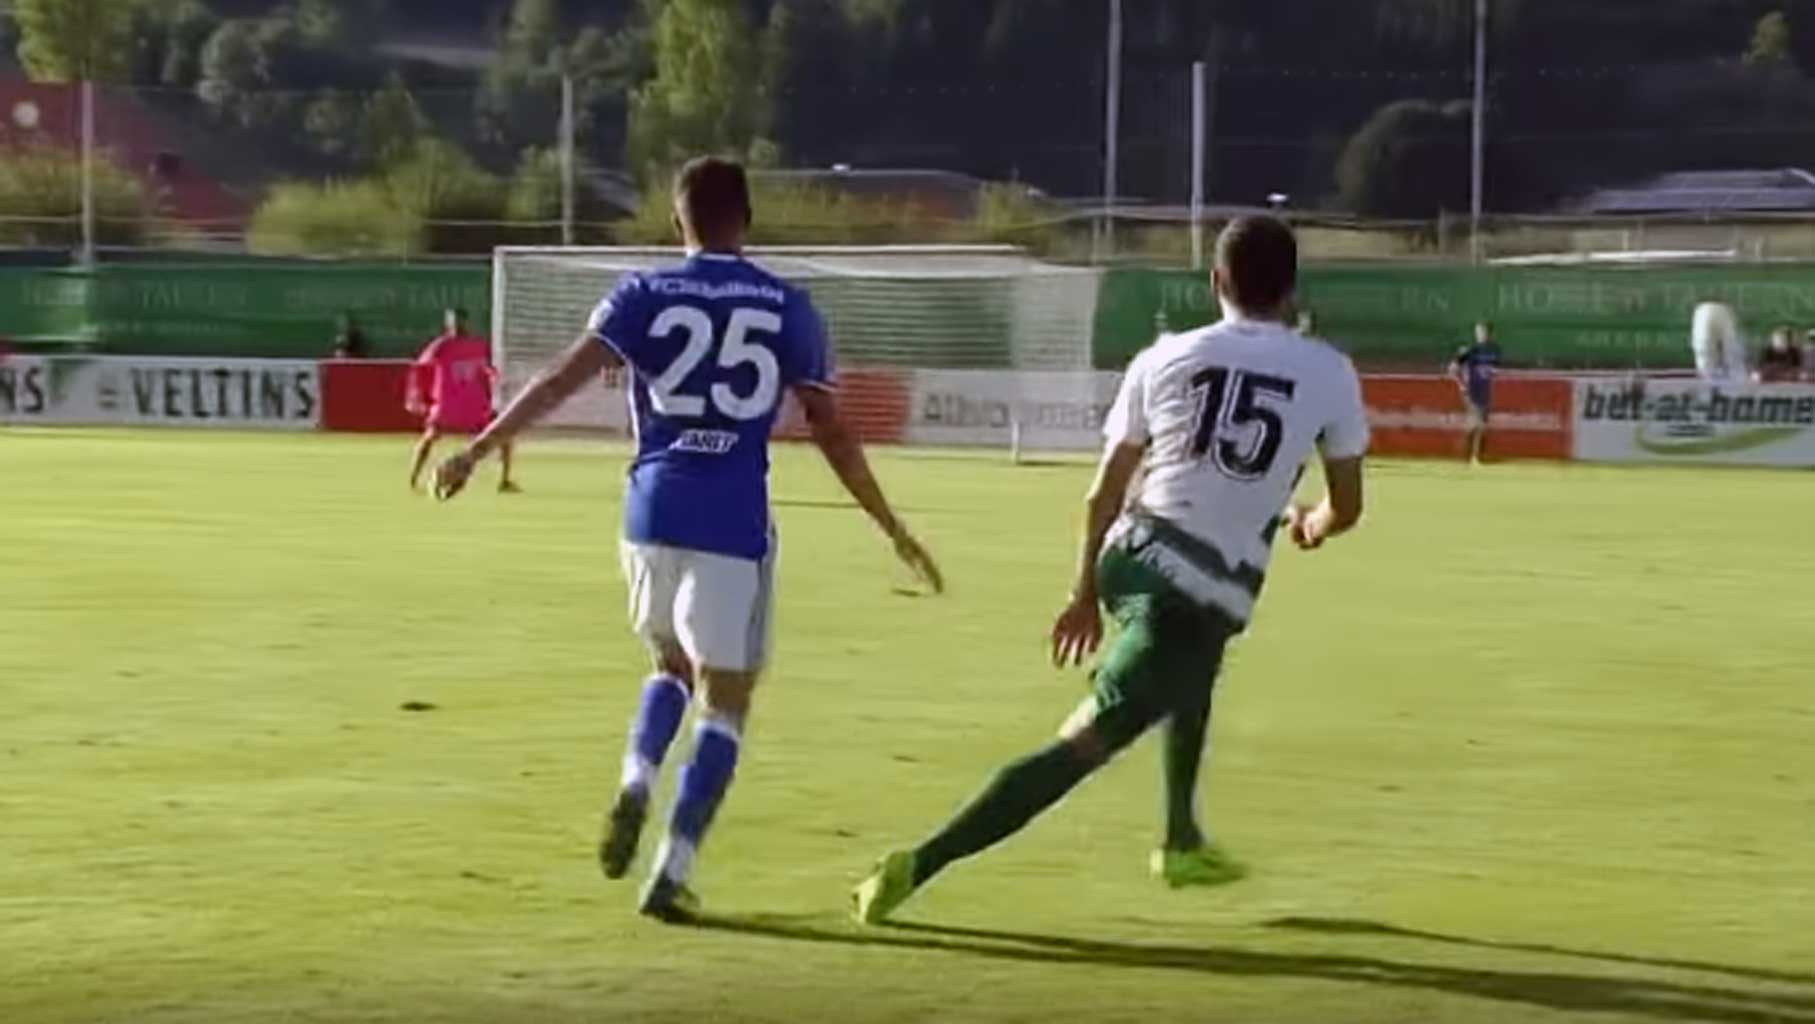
717	257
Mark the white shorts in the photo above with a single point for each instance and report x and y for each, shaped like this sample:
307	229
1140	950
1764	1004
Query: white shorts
718	608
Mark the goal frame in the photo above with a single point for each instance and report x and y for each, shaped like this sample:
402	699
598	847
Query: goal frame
678	253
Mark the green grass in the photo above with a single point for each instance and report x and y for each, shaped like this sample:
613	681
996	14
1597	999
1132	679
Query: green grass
1534	745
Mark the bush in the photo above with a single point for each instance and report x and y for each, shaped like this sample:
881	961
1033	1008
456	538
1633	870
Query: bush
799	215
44	185
431	197
458	202
334	219
533	201
535	190
1009	214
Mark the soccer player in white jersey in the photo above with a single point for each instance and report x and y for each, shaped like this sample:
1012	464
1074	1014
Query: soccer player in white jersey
1719	343
712	344
1223	420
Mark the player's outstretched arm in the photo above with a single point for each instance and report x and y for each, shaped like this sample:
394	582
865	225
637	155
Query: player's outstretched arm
844	453
579	364
1339	511
1079	630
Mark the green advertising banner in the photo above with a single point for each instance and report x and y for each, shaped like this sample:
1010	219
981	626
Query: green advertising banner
255	310
1545	317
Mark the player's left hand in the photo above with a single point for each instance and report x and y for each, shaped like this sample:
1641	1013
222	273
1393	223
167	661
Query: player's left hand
1301	530
453	473
1078	633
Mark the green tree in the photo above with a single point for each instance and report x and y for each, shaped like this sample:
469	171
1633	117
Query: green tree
519	101
1771	43
260	74
813	63
253	71
392	125
1410	160
340	23
333	122
533	32
707	94
74	40
234	67
167	41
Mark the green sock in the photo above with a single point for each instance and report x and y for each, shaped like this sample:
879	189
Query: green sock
1018	793
1185	735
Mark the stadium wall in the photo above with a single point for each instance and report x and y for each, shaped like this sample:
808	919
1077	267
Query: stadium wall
1555	318
150	391
1582	418
269	310
1389	317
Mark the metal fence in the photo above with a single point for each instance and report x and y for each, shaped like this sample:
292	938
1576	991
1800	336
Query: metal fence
333	172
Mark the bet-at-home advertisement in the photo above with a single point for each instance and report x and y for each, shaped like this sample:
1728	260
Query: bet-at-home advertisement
1695	421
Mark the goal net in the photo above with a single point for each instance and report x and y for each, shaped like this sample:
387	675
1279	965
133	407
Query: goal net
898	307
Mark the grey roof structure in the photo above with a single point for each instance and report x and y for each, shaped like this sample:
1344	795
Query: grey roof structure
1785	190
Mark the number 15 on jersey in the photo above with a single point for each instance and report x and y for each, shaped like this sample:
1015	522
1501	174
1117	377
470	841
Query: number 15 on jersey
1238	422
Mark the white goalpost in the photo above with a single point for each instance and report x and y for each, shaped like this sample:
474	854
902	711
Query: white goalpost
887	308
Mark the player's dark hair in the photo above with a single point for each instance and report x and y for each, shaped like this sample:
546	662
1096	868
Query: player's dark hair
1259	260
713	195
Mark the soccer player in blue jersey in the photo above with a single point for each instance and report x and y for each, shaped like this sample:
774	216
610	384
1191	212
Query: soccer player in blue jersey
1474	368
712	345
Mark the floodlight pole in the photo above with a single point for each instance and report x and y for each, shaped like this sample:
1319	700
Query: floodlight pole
1200	74
88	173
1112	130
1478	159
567	160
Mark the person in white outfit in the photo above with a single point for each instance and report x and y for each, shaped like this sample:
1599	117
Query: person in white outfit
1718	342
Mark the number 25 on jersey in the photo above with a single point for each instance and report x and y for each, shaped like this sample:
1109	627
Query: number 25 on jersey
736	349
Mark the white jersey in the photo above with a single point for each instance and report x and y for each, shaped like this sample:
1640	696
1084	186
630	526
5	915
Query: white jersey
1230	415
1719	344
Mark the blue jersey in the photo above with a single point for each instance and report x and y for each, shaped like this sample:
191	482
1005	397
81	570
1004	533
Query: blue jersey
712	346
1478	364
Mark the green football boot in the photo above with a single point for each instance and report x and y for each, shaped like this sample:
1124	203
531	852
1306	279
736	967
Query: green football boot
1207	865
886	889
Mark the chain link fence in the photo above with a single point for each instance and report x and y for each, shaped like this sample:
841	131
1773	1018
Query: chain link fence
1371	162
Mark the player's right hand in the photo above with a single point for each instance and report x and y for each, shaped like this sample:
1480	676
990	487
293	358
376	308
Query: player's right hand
453	473
919	561
1078	633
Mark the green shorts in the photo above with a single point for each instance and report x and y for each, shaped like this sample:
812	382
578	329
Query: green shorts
1165	655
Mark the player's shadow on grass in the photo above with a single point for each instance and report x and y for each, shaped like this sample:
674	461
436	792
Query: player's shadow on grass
1554	991
1377	929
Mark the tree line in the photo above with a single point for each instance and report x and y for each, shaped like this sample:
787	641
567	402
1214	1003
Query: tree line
1354	106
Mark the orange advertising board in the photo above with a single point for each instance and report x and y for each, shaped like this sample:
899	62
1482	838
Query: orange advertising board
1423	416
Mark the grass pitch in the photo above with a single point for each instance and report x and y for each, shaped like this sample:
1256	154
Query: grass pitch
1538	744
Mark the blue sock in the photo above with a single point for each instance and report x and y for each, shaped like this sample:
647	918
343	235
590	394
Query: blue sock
703	785
658	718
